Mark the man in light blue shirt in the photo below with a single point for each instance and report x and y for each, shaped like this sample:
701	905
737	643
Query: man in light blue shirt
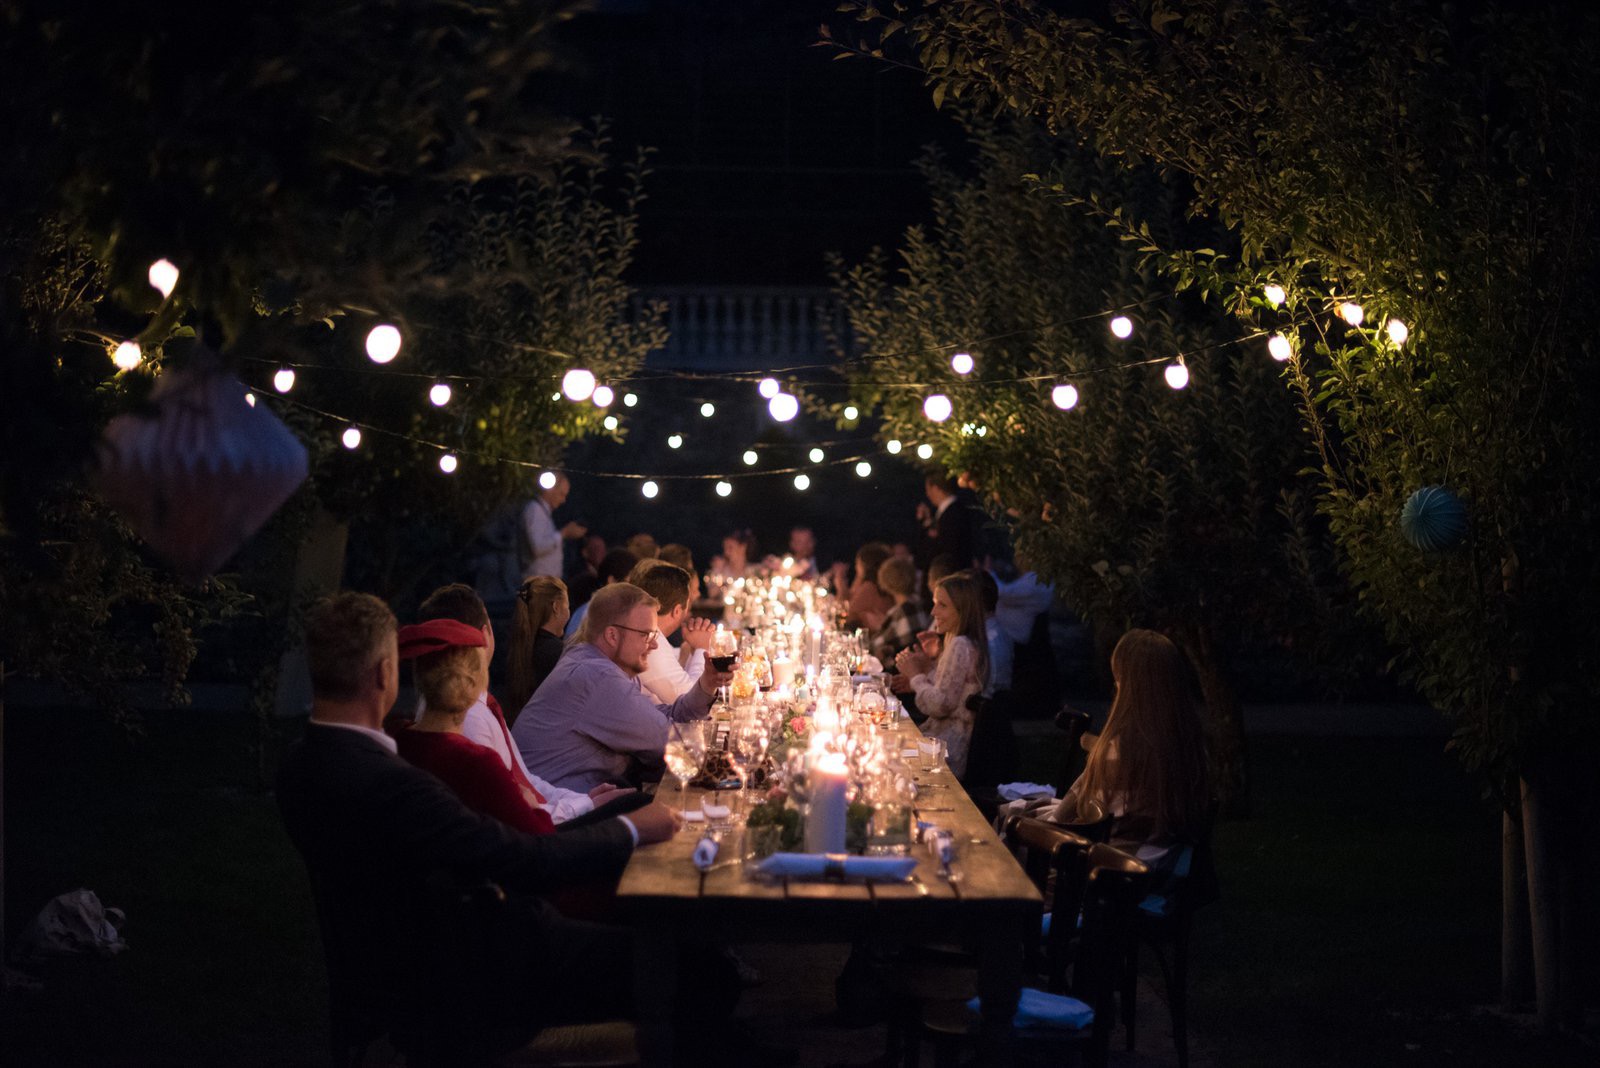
589	721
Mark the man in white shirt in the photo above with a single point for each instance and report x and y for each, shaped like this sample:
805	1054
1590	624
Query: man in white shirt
669	674
539	528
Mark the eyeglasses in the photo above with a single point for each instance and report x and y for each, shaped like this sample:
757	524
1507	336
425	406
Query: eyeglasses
636	630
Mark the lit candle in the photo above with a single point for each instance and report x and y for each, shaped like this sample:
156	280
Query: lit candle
782	672
826	717
825	823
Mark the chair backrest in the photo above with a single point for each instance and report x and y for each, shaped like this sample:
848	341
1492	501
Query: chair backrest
1073	723
1112	889
992	754
1093	822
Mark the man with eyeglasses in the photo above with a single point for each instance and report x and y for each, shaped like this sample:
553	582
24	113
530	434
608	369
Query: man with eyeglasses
592	721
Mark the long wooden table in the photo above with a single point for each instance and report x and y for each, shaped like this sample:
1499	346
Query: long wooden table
990	905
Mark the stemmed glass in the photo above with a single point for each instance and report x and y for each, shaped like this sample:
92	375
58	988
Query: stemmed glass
684	755
747	748
724	650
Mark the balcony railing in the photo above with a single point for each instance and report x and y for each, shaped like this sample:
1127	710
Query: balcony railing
747	328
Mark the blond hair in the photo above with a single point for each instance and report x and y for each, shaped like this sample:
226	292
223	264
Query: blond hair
449	680
610	605
537	598
346	634
897	575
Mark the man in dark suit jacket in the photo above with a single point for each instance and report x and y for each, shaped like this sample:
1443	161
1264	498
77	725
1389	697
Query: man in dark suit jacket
392	855
949	525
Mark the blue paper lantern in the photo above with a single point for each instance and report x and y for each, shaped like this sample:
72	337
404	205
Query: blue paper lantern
1433	519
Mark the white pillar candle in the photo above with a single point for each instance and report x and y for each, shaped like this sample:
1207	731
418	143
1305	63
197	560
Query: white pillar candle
825	824
782	672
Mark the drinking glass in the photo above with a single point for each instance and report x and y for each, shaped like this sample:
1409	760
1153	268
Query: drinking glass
932	751
747	748
684	755
724	650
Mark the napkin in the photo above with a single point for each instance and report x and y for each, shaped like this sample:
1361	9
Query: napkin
705	853
838	865
1036	1008
714	811
1015	791
872	666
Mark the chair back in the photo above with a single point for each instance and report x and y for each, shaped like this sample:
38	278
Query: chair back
992	754
1093	822
1074	723
1114	884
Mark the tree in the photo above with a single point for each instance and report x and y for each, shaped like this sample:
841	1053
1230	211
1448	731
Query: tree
1432	167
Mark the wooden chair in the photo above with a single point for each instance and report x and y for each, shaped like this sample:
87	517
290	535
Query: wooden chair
992	754
1073	723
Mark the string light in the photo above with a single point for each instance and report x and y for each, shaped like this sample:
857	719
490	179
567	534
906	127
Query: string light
556	395
750	457
283	381
1398	331
352	437
603	396
961	363
611	422
127	356
383	343
650	489
1122	327
675	441
802	482
724	488
893	445
1275	295
768	388
783	407
630	399
548	480
1176	374
925	451
1279	348
447	463
1064	396
164	276
250	398
937	407
851	412
863	469
578	384
707	410
439	395
1352	313
817	456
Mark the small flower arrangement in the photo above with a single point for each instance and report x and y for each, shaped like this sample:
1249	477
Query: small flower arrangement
776	812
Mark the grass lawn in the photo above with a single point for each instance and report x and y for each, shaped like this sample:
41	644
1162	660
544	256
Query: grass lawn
1359	923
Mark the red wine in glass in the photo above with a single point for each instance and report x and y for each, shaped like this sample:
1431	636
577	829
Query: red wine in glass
724	663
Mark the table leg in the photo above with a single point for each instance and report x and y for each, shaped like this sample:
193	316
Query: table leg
655	985
1000	953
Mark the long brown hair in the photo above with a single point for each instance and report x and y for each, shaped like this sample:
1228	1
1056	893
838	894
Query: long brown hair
536	603
1152	752
965	597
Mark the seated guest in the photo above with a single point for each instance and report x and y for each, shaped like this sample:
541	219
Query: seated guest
591	719
582	583
943	686
680	556
376	834
667	675
738	552
801	562
536	630
905	619
864	601
938	568
1002	650
614	568
486	725
643	547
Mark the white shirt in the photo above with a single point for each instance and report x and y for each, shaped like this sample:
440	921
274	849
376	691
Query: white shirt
1020	603
543	538
377	736
480	726
667	678
1002	652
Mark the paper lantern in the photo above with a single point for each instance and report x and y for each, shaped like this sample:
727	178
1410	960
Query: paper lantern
1433	518
197	475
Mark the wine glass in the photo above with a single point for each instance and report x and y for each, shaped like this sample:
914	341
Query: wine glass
684	755
724	650
747	748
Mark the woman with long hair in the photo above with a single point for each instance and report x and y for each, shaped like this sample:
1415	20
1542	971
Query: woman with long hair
1147	768
943	686
536	630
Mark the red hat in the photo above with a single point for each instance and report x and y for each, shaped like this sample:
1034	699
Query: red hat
420	639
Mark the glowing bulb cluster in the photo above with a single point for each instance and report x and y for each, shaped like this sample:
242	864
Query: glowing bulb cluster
783	406
938	408
1064	396
383	343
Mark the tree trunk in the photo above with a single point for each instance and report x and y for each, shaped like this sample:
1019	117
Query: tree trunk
1516	951
1225	722
1544	899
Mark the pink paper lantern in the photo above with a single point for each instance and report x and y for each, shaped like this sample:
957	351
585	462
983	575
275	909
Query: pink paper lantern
198	476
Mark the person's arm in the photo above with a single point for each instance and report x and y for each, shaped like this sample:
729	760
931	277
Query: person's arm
495	793
622	717
695	703
943	695
563	804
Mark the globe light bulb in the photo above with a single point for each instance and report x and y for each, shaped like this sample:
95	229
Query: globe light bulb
630	399
439	395
548	480
1122	327
893	445
784	407
1398	331
556	395
1275	295
1064	396
724	488
650	489
578	384
802	482
447	463
283	381
383	343
925	452
750	457
1279	348
675	441
852	412
768	388
127	356
352	437
1177	375
603	396
611	422
164	276
250	398
863	469
816	456
1352	313
938	407
707	410
961	363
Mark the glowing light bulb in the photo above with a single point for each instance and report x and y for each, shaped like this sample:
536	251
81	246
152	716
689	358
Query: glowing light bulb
852	412
127	356
447	463
1177	375
1275	295
250	398
1122	327
938	407
439	395
784	407
611	422
1279	348
283	381
925	452
164	276
650	489
802	482
750	457
961	363
578	384
548	480
675	441
1064	396
603	396
893	445
863	469
630	399
556	395
707	410
1352	313
1398	331
724	488
383	343
352	437
768	388
816	456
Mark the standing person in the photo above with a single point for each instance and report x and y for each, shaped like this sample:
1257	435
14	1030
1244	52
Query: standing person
948	525
544	540
536	638
668	675
942	686
614	568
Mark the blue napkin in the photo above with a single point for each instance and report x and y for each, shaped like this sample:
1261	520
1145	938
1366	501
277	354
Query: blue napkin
1038	1008
837	866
